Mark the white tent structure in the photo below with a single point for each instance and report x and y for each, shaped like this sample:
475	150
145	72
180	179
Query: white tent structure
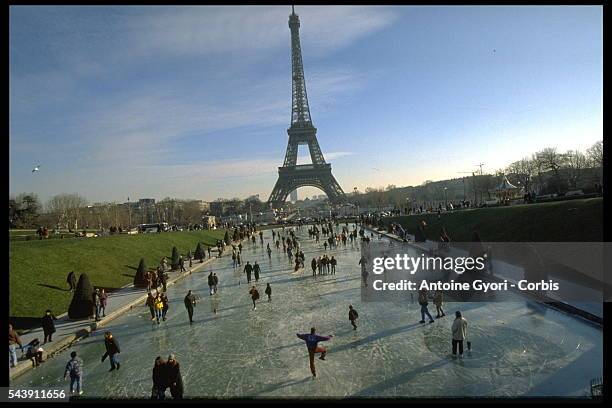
506	191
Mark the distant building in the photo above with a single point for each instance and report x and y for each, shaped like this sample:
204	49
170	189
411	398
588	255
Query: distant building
146	202
228	207
204	205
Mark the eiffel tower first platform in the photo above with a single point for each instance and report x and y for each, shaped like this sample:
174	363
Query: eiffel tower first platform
291	175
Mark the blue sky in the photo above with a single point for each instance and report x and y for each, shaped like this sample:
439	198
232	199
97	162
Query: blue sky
194	102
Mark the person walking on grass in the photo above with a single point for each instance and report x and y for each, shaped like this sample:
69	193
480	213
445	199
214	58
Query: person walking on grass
459	330
112	350
190	302
72	281
48	326
424	302
353	315
74	368
312	343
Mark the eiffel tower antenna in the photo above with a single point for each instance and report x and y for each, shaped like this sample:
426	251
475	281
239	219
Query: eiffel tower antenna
302	132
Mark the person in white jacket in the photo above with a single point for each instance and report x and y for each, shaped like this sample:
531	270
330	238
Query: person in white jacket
459	329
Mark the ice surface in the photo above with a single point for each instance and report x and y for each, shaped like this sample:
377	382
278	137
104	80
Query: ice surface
518	348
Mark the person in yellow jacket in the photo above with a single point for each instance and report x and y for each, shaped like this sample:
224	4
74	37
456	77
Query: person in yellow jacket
159	307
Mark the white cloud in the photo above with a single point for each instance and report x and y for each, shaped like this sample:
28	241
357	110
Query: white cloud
201	30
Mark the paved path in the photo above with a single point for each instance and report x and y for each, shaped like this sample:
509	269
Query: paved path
69	330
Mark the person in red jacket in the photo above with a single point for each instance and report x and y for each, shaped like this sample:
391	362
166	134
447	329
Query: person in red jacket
312	343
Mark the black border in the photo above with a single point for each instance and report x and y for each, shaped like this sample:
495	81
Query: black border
607	339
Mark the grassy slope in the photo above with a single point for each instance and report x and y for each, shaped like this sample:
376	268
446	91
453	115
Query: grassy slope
110	262
562	221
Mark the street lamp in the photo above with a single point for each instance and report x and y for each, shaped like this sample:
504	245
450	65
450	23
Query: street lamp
445	199
130	213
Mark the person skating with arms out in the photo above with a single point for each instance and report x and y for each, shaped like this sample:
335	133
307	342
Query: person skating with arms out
312	343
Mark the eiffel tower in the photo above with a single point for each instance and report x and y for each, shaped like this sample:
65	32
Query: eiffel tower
291	175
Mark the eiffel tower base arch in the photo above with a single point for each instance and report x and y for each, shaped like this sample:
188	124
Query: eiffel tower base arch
309	175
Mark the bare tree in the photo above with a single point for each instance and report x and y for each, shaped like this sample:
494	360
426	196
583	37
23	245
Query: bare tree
595	154
576	162
524	170
68	209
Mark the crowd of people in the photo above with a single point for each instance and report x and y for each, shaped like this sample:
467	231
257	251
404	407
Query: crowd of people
166	373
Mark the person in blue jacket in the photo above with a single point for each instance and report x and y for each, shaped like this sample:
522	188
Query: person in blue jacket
312	343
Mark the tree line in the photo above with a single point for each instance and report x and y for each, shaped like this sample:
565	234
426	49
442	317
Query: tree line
545	172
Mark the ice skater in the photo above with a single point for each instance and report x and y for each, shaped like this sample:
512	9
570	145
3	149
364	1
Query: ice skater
459	329
353	315
190	302
74	368
438	300
423	302
364	271
211	283
312	340
256	270
151	303
159	307
112	350
165	305
248	268
268	292
215	282
254	296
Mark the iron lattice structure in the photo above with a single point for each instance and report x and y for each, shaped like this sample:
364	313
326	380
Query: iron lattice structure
302	132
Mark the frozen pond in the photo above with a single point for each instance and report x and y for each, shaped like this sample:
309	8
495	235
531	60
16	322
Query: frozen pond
518	348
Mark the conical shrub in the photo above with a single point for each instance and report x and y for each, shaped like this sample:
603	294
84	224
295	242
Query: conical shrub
199	253
82	305
226	238
175	259
139	279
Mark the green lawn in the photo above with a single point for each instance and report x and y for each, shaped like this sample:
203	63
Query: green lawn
561	221
38	269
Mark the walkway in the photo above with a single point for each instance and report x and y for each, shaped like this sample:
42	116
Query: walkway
69	330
